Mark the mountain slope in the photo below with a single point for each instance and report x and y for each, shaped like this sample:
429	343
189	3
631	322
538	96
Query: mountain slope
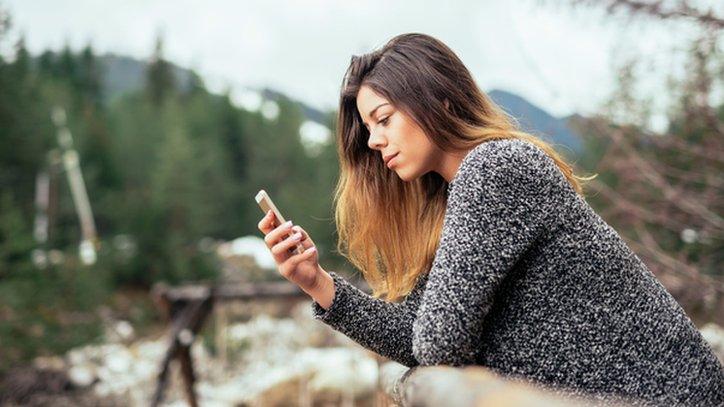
533	118
124	74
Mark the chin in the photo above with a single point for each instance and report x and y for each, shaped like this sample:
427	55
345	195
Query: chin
407	177
401	176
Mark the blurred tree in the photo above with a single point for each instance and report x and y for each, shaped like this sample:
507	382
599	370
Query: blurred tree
46	63
662	10
160	78
90	78
21	65
16	239
664	192
23	128
68	69
165	166
4	22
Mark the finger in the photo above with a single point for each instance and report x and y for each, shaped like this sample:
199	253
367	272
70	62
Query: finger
265	224
306	240
294	260
285	245
279	233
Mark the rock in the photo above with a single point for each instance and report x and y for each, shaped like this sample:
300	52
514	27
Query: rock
82	375
714	335
270	360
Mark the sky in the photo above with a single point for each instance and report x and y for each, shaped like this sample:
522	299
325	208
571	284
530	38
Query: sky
559	57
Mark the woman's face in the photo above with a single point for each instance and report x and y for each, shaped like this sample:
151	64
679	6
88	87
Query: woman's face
394	132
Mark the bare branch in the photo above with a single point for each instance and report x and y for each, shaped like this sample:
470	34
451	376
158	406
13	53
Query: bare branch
658	9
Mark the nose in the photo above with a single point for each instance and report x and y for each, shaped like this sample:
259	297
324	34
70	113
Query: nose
376	140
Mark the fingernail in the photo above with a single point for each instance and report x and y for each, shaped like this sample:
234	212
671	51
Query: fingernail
296	228
311	249
287	224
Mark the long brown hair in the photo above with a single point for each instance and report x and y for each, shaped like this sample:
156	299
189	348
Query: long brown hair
388	228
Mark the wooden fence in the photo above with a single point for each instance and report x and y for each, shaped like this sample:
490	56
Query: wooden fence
188	307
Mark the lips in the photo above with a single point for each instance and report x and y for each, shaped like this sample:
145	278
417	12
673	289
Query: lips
389	158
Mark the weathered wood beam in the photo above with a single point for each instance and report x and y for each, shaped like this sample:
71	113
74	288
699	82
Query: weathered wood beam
231	292
468	386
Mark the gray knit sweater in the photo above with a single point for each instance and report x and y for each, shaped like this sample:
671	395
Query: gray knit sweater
530	282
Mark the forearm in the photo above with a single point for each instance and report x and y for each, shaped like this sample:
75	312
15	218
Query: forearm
383	327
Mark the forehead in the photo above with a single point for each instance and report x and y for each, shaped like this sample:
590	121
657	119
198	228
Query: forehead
367	100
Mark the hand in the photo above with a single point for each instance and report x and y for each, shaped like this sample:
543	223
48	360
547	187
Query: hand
301	269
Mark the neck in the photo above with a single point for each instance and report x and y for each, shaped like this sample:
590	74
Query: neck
450	163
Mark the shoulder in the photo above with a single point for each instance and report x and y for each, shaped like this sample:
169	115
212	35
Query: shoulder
507	159
505	152
509	178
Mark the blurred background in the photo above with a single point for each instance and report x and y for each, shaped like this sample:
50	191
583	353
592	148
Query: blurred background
134	136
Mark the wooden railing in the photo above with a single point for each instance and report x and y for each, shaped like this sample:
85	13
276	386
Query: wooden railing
470	386
188	307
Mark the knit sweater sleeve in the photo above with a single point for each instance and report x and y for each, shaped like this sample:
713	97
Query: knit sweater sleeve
378	325
499	204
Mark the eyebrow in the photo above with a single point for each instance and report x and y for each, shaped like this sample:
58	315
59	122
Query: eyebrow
375	109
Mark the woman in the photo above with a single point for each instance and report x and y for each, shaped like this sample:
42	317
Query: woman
479	238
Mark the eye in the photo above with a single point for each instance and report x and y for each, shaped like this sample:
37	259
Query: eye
384	121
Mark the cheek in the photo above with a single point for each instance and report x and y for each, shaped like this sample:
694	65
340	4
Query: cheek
414	146
415	158
406	137
418	145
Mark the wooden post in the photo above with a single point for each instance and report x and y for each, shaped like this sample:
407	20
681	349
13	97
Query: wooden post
187	320
187	372
71	162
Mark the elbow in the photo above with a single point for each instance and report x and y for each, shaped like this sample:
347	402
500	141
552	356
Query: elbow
425	354
423	348
430	349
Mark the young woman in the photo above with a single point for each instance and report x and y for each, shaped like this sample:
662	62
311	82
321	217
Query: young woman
479	238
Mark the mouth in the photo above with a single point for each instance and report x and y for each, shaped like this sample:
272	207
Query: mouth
389	160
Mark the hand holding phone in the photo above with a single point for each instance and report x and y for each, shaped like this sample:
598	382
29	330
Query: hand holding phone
293	250
266	204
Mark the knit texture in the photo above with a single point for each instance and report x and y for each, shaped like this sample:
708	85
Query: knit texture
530	282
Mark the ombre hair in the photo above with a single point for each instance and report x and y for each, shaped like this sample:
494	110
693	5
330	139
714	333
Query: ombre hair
388	228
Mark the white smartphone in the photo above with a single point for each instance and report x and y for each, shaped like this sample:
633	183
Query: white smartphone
265	203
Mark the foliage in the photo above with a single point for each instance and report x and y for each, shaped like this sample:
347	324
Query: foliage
165	166
663	191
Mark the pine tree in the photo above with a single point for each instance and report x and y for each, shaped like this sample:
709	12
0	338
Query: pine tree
47	64
68	69
160	81
90	77
21	65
